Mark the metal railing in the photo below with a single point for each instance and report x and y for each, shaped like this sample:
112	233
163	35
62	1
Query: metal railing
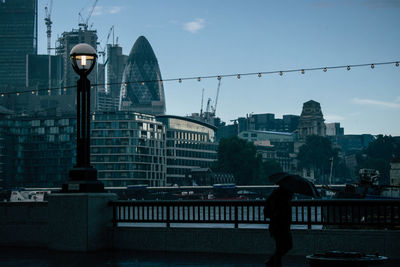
343	212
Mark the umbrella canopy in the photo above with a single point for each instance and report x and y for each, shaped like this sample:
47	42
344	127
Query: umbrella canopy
295	184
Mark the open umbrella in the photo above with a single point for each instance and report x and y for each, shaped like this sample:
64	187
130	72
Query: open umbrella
295	184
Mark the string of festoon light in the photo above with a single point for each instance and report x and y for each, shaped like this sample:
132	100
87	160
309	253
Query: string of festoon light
218	77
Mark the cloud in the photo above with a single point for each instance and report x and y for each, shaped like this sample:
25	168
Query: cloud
194	26
102	10
115	9
372	102
333	118
98	11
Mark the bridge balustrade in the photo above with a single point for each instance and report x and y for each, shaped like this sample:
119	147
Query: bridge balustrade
334	213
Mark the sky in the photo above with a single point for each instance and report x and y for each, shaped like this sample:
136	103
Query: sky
200	38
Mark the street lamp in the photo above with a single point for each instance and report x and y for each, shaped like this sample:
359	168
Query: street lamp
83	177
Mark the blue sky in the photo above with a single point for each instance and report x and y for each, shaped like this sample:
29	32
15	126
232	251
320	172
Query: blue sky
199	38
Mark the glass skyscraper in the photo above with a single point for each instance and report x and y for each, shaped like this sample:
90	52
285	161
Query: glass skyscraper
18	37
142	89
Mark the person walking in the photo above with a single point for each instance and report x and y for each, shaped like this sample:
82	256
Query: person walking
279	209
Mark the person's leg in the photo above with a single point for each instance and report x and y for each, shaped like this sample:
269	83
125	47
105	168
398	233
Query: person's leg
284	243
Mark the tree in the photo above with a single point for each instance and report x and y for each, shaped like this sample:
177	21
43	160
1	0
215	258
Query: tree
378	155
239	157
317	154
268	167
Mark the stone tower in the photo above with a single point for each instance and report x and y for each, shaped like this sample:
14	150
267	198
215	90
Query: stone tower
311	121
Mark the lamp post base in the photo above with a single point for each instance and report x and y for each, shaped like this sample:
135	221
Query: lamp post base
83	179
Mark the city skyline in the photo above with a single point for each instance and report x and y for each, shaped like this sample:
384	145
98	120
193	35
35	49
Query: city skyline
207	38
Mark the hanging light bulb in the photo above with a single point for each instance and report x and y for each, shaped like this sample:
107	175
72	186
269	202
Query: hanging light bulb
325	69
302	71
281	73
372	66
180	80
397	63
348	67
2	95
48	91
238	76
65	89
33	92
259	74
198	79
142	83
219	78
17	93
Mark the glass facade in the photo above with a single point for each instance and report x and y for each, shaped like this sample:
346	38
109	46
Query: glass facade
18	37
128	148
39	151
141	90
189	144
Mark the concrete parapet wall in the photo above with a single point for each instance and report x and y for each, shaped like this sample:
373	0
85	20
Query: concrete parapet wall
24	224
254	241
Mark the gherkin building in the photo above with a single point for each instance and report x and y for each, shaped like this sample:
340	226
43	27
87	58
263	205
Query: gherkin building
142	89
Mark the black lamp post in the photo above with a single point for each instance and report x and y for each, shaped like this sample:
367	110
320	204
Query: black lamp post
83	177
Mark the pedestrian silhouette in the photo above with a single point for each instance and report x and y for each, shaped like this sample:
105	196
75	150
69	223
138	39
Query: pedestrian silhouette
279	209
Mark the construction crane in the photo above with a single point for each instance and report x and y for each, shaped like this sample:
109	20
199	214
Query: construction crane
48	22
85	22
102	52
48	8
202	98
216	98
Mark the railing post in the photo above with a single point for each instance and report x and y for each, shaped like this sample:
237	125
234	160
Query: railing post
114	216
168	216
236	216
309	215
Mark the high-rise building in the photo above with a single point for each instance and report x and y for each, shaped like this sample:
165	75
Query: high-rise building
40	150
116	63
311	120
18	38
142	88
65	43
37	74
128	149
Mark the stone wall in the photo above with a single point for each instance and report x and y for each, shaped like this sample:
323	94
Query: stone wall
254	241
24	224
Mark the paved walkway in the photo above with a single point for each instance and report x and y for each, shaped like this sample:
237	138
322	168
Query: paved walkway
10	257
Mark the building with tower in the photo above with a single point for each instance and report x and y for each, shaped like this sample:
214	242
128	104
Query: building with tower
18	38
142	89
311	121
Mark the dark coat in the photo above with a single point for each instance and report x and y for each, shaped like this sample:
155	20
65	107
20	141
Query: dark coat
279	209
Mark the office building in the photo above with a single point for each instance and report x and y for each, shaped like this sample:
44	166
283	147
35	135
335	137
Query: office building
334	129
189	144
18	38
278	146
64	45
38	77
128	149
116	63
40	150
142	89
311	121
